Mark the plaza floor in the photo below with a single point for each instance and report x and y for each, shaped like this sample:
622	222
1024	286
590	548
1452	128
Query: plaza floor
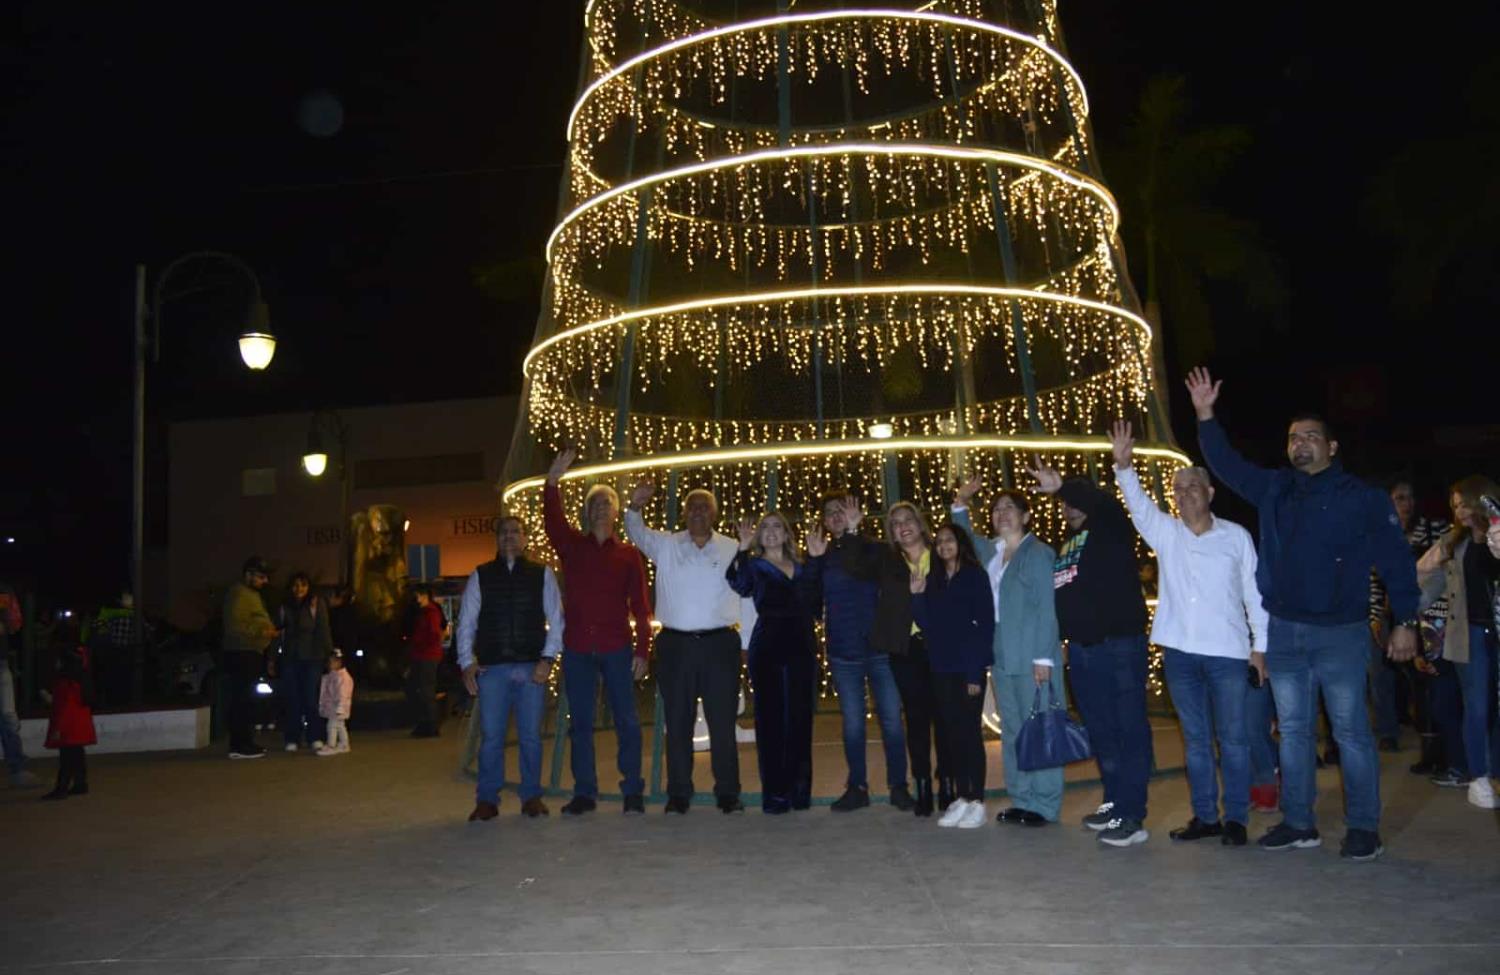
363	865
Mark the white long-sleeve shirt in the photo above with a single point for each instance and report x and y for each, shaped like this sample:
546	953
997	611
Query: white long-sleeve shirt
691	590
468	616
1207	599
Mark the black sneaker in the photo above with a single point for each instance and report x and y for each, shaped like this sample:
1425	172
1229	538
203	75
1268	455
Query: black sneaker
677	805
1123	832
635	805
578	805
1284	837
1196	829
1029	818
854	797
1011	814
1100	818
901	798
1361	844
1450	779
1234	834
730	804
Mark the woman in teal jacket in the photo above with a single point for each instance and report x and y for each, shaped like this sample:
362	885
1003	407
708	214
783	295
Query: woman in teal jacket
1027	647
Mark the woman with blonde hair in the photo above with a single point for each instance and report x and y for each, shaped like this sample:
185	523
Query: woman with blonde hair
783	654
1462	568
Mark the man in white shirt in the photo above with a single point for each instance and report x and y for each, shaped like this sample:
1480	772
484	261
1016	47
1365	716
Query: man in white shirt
510	630
697	650
1209	622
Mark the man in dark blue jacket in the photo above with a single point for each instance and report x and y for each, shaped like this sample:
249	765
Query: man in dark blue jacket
849	614
1321	531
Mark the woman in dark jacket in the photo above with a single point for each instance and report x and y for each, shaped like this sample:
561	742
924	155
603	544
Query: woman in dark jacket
306	642
953	606
783	655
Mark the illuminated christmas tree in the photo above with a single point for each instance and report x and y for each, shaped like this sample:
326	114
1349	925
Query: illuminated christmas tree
802	247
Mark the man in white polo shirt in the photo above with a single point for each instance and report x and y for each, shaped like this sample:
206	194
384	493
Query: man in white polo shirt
697	650
1208	613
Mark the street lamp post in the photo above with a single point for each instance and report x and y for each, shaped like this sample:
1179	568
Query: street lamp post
315	462
257	346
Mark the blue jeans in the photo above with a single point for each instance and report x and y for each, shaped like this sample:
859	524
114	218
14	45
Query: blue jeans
581	674
849	681
300	721
10	722
1109	684
1477	680
1209	695
504	688
1260	711
1303	657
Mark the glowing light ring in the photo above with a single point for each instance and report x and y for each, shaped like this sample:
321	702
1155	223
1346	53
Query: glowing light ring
1019	160
710	457
791	20
773	297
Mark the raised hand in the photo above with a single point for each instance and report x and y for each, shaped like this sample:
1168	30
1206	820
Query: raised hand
1204	391
965	492
746	530
641	493
853	514
561	463
817	543
1122	444
1048	481
918	583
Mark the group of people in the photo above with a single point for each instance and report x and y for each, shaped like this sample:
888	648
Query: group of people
922	620
317	691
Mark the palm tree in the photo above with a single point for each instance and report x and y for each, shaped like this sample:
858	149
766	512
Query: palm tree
1166	172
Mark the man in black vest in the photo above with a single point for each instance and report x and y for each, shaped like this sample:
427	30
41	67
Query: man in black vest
510	628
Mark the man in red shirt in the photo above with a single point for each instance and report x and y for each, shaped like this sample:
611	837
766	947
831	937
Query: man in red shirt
426	652
604	587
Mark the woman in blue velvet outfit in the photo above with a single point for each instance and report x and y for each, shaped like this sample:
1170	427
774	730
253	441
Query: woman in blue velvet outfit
783	655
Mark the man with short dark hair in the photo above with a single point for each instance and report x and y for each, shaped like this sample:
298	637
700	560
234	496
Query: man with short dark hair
424	654
1321	530
606	589
248	631
510	631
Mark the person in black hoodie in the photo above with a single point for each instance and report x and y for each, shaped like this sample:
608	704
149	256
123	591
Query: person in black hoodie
1101	613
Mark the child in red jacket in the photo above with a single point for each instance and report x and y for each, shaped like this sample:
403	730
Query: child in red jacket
71	727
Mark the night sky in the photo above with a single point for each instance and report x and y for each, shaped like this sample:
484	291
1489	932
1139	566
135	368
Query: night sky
401	253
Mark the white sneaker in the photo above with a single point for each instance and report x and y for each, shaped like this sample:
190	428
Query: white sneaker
325	751
291	747
954	813
319	745
973	816
1482	794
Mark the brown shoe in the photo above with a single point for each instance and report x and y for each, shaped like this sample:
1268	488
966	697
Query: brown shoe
484	811
534	807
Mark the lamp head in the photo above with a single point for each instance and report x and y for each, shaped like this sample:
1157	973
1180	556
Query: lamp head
257	344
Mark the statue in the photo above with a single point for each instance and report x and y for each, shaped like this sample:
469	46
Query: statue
380	586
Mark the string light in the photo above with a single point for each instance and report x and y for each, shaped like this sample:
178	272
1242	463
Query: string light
855	249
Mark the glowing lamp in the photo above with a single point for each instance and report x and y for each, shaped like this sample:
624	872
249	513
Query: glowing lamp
257	349
315	463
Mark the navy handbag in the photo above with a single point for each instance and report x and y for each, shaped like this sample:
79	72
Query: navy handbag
1050	738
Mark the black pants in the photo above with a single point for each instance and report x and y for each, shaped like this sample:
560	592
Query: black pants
961	744
242	669
688	667
421	694
72	771
1447	714
914	683
783	685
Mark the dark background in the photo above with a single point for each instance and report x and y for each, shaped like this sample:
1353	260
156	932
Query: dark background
401	255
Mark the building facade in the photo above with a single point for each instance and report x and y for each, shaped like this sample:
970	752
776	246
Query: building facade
237	487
